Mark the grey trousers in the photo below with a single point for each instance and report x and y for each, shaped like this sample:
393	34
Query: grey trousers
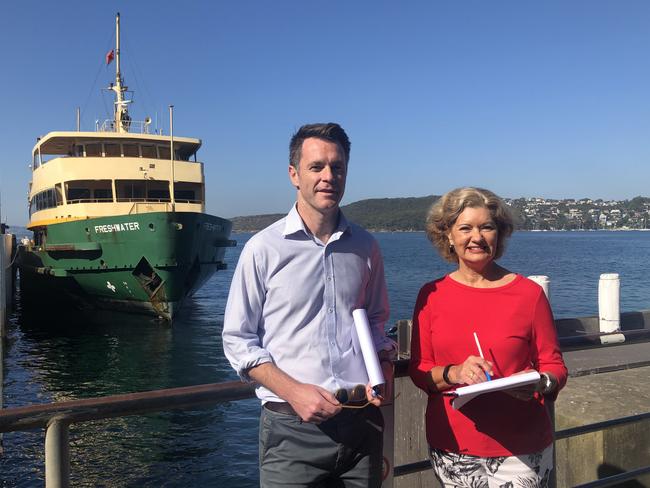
345	451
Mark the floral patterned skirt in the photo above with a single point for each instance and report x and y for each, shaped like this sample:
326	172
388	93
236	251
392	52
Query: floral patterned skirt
464	471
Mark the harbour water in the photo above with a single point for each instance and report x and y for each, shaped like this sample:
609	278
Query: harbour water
51	357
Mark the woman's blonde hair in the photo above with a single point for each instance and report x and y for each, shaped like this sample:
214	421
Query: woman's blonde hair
444	213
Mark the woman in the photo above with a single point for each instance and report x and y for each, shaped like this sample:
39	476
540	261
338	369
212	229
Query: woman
500	438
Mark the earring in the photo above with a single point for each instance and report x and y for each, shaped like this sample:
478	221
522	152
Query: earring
451	247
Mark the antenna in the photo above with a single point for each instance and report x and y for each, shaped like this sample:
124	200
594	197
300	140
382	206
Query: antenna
122	119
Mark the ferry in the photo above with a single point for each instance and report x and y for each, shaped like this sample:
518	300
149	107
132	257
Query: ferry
118	216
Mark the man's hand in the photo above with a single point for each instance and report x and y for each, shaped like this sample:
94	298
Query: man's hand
385	395
313	403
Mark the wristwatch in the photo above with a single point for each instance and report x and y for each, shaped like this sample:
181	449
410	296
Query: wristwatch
548	384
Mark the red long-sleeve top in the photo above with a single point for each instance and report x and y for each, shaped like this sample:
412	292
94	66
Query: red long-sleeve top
516	330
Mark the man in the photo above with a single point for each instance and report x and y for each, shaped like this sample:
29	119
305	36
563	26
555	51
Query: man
288	327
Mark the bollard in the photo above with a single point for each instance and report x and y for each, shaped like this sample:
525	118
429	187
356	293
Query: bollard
609	314
544	282
57	454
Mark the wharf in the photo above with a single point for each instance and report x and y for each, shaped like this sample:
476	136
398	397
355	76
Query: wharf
608	358
605	383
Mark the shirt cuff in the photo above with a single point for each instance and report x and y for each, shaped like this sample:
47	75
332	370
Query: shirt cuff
387	348
249	363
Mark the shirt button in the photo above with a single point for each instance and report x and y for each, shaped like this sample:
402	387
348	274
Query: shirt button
329	278
330	310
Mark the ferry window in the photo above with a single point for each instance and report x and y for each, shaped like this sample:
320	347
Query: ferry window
43	200
158	191
78	195
163	152
162	195
103	195
93	150
131	150
130	190
88	191
184	153
148	151
78	150
112	150
187	192
185	196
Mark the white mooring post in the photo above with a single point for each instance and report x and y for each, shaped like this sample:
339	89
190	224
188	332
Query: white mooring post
544	282
609	312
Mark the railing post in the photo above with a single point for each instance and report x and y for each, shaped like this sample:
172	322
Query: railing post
609	298
403	339
57	453
388	412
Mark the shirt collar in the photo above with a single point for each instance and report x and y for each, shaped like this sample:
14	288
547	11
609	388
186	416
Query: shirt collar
293	224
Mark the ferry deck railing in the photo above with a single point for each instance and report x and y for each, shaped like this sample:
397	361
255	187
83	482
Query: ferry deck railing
134	126
56	419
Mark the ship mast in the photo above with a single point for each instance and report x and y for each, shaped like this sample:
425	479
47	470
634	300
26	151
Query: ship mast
122	120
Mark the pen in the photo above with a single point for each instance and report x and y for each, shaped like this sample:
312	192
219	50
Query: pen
480	351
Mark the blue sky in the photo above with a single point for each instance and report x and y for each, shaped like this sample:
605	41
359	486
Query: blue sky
526	98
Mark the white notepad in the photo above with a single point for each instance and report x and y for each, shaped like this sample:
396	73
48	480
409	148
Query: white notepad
464	394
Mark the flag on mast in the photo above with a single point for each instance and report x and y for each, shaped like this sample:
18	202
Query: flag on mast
109	56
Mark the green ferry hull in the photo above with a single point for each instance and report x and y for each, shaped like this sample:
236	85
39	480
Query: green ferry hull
145	263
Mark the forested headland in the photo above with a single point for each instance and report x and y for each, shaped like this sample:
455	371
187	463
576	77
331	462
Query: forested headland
409	214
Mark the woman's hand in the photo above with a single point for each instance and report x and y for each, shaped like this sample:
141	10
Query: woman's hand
526	392
471	371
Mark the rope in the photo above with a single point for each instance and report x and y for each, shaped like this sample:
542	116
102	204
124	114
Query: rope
99	70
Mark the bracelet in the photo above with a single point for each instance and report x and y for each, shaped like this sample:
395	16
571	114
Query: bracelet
548	384
445	374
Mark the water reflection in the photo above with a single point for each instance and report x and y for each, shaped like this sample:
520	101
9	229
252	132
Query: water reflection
49	357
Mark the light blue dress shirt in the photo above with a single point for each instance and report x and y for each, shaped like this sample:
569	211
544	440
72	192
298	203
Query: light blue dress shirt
291	302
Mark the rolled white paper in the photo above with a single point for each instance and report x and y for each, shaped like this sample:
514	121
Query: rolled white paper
609	292
370	358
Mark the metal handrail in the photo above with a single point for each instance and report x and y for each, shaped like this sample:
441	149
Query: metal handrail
596	426
135	126
616	479
88	200
56	418
38	416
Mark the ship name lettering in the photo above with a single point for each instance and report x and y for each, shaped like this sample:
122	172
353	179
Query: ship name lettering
212	227
125	226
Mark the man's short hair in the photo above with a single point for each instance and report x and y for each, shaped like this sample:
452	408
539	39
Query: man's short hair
331	132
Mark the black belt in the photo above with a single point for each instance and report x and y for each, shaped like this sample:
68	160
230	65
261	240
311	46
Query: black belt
280	407
287	409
